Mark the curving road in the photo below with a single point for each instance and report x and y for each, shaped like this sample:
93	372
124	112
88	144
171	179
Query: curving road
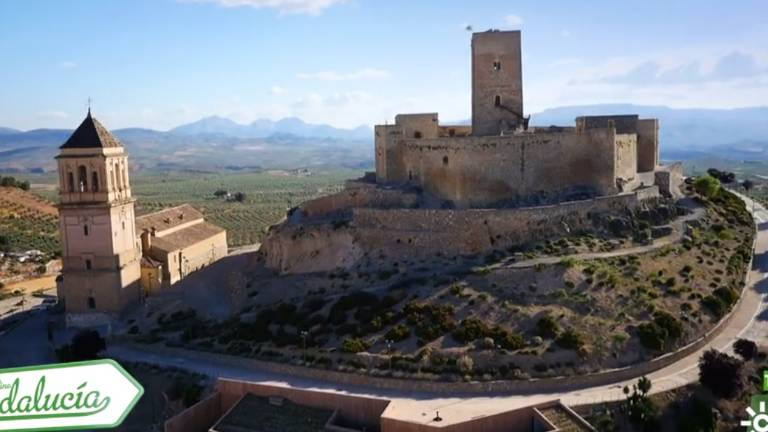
750	320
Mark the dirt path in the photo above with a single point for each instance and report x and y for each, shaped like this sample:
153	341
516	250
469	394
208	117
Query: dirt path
678	230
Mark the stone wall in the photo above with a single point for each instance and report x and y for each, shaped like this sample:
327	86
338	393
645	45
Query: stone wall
483	171
360	196
647	144
418	233
364	411
670	179
626	157
199	417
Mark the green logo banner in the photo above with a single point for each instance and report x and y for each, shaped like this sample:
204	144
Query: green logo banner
68	396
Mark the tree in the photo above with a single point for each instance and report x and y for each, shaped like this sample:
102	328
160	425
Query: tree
748	185
85	345
745	348
707	185
721	374
220	193
639	407
239	197
725	177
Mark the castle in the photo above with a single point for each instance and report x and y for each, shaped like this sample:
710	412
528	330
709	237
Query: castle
110	257
459	189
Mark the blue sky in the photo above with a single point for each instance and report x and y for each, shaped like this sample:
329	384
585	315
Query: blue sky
160	63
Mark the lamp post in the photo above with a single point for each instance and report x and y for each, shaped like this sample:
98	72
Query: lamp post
304	334
389	343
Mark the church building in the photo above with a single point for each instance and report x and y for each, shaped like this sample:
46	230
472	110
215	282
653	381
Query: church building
108	264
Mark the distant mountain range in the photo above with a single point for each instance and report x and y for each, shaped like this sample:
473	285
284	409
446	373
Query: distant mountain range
263	128
220	143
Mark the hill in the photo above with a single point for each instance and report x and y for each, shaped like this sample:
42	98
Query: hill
27	222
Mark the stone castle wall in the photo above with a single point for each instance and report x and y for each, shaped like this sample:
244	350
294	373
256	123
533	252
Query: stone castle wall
361	196
392	234
483	171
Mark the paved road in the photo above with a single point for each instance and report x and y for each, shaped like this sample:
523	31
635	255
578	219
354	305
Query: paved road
751	320
27	344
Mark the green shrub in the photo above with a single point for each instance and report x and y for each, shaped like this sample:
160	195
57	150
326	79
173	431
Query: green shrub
707	186
714	305
354	345
652	336
429	321
547	327
508	340
571	339
669	323
470	330
399	333
727	295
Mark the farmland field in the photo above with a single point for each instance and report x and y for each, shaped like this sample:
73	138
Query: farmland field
268	194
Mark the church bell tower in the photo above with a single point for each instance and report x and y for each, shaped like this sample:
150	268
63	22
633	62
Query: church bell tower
101	254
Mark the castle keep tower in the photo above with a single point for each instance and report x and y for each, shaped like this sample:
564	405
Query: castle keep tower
101	254
497	82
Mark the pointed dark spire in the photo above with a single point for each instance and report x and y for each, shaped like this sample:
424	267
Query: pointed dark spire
91	134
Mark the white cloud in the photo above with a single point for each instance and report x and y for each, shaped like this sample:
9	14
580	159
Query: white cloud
339	99
52	114
312	7
513	20
361	74
277	90
67	64
716	79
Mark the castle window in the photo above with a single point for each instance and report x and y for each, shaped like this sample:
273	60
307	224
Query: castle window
497	101
497	65
88	264
85	230
410	175
91	303
417	134
82	179
95	181
445	160
71	181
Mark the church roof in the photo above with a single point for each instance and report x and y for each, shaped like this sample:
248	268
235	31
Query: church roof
186	237
91	134
168	218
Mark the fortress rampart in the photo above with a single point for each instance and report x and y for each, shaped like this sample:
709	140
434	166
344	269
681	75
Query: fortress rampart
392	234
594	158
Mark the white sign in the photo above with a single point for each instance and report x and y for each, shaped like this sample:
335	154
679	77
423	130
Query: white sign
91	394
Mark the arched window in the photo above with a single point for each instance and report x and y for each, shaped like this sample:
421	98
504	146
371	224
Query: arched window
91	303
71	181
119	177
94	181
114	178
82	179
497	101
